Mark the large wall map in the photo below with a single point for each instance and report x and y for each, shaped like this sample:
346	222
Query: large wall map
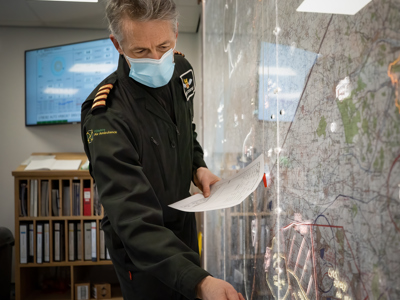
318	96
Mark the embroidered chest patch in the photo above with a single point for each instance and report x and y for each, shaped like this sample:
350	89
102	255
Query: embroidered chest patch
188	84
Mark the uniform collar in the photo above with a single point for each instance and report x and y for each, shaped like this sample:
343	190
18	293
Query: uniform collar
123	68
123	75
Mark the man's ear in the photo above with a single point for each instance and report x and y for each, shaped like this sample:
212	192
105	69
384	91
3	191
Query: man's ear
116	44
177	29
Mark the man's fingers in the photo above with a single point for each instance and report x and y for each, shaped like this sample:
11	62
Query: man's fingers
200	186
216	289
206	190
215	181
203	178
231	294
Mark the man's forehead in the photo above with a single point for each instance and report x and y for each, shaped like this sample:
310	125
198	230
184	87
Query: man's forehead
147	33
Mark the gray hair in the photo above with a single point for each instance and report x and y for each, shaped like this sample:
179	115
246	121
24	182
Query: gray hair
140	10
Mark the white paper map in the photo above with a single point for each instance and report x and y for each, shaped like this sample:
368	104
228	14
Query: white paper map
227	192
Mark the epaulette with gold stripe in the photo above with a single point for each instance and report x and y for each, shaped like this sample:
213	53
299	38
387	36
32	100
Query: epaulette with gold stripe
179	53
101	96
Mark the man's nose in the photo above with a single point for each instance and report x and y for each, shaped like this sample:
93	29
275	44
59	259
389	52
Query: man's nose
154	54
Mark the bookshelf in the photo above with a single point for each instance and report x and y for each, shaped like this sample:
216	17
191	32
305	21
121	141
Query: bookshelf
243	232
52	272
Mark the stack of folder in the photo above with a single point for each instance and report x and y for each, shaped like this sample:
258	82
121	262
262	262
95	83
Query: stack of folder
76	199
44	199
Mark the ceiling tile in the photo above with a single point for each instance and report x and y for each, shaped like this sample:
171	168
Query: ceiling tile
188	18
79	15
186	2
65	11
16	11
89	22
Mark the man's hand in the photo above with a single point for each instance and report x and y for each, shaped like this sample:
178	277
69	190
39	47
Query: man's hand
211	288
203	179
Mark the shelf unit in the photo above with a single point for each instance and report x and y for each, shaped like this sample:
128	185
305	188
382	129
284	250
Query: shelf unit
240	258
56	280
239	247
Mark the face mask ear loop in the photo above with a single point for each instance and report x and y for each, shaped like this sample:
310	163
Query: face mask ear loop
173	52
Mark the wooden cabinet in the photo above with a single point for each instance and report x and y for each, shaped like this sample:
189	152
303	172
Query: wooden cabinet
51	273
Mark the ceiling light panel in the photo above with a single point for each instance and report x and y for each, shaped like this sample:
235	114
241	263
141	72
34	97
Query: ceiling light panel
342	7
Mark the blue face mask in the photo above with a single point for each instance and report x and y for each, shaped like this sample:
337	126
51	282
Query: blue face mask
153	73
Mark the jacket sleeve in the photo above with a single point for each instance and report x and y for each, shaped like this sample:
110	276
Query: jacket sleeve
132	205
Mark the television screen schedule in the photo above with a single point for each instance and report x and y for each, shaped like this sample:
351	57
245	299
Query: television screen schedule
59	79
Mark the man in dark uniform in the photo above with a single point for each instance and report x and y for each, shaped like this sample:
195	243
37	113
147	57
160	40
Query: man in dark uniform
138	135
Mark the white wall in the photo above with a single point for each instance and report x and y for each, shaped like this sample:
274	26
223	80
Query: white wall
17	142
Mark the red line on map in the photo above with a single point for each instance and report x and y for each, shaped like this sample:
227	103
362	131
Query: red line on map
314	263
323	276
313	252
348	244
308	224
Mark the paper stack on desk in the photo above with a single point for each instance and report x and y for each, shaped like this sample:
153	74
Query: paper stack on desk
36	157
53	164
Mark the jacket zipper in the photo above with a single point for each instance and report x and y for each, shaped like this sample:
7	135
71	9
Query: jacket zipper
158	154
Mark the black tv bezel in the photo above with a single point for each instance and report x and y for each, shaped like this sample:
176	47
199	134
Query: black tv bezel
61	45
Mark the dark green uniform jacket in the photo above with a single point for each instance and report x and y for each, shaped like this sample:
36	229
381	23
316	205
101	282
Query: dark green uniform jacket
142	162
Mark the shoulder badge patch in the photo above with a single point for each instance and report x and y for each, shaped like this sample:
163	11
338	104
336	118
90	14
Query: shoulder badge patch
89	136
101	96
188	84
179	53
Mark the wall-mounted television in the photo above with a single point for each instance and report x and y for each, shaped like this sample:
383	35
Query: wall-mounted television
58	79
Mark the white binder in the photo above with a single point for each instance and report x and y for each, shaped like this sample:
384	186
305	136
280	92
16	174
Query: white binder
23	241
102	245
79	240
57	240
94	250
47	242
88	241
33	201
39	244
31	235
71	241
